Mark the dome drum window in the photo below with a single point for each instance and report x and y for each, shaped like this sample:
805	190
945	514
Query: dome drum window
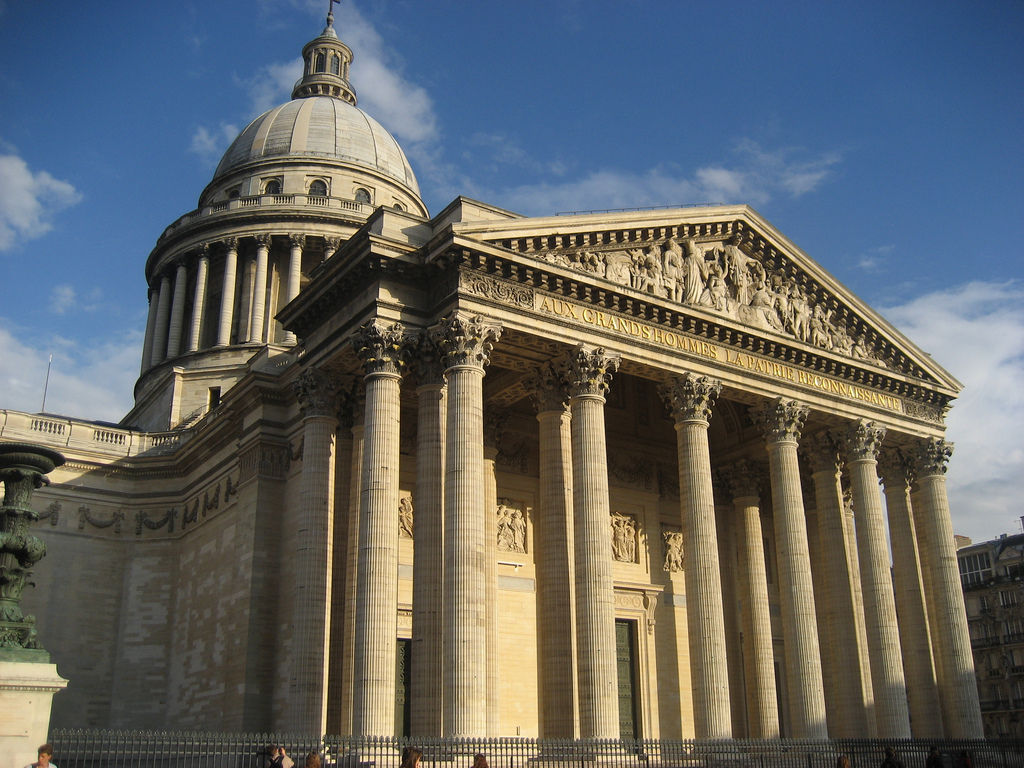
363	196
318	188
272	187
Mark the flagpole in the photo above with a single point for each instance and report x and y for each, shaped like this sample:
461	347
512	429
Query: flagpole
46	385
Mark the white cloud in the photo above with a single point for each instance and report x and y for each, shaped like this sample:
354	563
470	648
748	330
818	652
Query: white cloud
29	200
272	85
211	145
89	379
62	298
976	332
755	177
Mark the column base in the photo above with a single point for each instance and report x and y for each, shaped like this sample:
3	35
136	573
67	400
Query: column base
26	694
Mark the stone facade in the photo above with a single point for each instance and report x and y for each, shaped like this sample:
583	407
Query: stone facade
597	462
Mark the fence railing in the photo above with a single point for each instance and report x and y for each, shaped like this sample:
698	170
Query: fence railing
168	749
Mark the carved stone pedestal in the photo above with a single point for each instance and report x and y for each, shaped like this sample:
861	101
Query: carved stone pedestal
26	693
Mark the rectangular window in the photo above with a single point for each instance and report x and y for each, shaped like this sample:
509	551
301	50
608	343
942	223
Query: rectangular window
975	569
1009	598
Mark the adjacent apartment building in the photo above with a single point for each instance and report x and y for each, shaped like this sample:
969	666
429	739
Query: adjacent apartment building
992	574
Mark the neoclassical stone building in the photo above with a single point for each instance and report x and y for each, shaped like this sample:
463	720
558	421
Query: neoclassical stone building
480	474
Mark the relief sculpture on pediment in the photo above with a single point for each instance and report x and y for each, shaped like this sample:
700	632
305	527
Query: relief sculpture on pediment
721	276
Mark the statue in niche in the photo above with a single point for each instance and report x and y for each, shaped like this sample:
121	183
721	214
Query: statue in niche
405	519
672	275
511	529
695	272
673	551
617	267
623	538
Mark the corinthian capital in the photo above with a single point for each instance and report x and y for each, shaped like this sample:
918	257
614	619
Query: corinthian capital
781	420
690	397
588	371
424	360
743	479
822	452
380	346
465	339
297	241
263	241
896	469
931	456
863	440
318	392
546	387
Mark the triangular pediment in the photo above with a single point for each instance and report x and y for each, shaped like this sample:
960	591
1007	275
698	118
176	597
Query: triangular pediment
723	263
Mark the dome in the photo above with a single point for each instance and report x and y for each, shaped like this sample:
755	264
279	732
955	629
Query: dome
319	128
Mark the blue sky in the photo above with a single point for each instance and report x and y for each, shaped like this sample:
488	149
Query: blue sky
884	139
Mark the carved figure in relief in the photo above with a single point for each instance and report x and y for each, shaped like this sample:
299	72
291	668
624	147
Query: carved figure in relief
800	313
694	272
819	328
861	350
647	270
623	538
737	266
405	517
511	529
672	276
716	295
618	267
673	551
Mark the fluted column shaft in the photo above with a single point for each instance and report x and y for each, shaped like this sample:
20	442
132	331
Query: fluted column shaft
844	655
259	290
147	345
227	297
588	374
922	693
555	566
297	242
782	422
759	656
199	299
245	300
428	543
163	315
957	681
863	441
691	397
177	321
491	589
465	343
351	576
373	707
317	392
428	559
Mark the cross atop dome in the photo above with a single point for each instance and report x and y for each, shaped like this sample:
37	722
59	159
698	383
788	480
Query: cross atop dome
325	67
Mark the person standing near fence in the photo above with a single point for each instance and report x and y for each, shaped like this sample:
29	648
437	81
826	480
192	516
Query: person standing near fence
934	759
43	759
411	757
842	762
278	757
479	761
313	760
891	761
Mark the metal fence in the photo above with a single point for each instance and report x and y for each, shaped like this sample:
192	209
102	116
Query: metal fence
170	749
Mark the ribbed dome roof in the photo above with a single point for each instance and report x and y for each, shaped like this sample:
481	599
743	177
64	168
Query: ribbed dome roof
320	128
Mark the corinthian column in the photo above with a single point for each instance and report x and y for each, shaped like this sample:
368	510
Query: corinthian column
160	328
147	345
691	398
177	309
428	544
555	568
844	652
317	391
259	290
297	242
227	296
379	346
957	681
759	658
587	373
922	694
862	442
199	299
782	421
465	343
